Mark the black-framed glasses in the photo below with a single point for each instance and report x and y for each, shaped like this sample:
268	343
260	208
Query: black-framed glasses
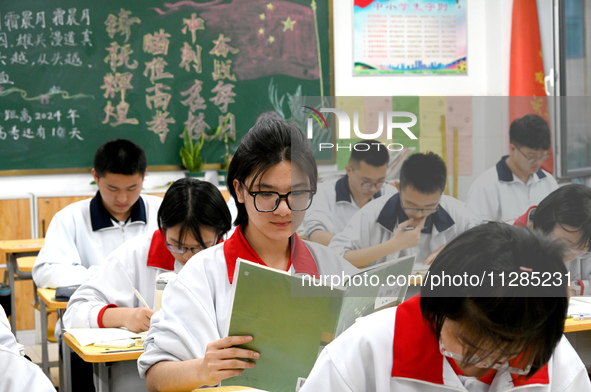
181	250
426	211
531	159
268	201
367	185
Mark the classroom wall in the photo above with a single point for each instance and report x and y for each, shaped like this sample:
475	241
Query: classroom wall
489	29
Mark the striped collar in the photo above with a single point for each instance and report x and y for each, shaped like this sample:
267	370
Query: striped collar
343	192
100	218
393	214
505	174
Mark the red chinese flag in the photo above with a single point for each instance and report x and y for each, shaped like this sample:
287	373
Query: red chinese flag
527	68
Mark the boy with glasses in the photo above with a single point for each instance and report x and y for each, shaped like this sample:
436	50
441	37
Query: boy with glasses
517	181
336	201
466	336
417	220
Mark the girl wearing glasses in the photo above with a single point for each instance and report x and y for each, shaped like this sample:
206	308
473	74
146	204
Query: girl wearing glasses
272	178
565	215
466	336
193	216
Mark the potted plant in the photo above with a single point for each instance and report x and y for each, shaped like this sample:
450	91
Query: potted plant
227	136
191	154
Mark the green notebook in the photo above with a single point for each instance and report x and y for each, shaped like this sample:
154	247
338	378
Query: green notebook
292	317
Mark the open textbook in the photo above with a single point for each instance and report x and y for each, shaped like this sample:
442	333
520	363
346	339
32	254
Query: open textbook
292	317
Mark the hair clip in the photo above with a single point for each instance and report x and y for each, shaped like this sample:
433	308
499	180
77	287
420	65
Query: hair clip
526	269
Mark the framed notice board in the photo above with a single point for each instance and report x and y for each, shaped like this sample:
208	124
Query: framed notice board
77	73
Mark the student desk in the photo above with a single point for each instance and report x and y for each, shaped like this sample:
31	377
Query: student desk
12	250
223	389
576	326
99	357
47	300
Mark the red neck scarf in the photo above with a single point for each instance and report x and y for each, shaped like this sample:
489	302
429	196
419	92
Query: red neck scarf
238	247
412	331
159	256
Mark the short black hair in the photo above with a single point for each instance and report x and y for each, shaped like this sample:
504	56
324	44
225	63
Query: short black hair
266	144
509	320
120	156
568	205
530	131
372	152
194	205
424	172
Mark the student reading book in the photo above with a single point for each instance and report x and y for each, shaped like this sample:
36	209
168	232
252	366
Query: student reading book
272	178
292	317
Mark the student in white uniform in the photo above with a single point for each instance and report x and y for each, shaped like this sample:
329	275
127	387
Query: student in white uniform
517	181
7	339
418	220
82	234
336	201
565	215
20	374
460	337
193	216
272	177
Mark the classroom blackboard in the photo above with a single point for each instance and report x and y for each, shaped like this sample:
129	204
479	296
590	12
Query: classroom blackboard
77	73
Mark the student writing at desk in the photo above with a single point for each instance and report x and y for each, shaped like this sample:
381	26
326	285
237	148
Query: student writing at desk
193	216
336	201
272	177
565	215
516	182
418	220
82	234
466	337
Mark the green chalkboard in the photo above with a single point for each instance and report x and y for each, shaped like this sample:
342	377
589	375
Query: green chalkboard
77	73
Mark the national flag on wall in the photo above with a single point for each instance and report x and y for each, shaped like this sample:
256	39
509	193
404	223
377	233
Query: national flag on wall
527	68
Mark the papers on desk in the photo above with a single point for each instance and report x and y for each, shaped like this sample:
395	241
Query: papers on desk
579	305
86	336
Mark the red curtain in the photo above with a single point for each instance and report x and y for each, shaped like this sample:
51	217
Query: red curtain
526	86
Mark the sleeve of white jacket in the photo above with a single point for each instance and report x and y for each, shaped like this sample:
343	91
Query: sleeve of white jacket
7	339
111	285
484	201
20	374
58	262
185	325
354	235
319	215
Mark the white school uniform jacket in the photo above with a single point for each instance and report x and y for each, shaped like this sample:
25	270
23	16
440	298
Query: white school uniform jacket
333	206
7	339
20	374
377	221
82	235
135	264
395	350
498	195
196	307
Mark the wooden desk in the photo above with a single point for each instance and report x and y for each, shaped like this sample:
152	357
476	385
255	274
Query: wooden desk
223	389
12	250
47	301
575	326
100	357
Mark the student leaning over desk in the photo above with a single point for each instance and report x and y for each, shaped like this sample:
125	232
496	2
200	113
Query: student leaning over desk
193	216
272	177
465	337
82	234
417	220
565	215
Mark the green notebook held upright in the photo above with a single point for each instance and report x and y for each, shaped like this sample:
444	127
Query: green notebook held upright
292	317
